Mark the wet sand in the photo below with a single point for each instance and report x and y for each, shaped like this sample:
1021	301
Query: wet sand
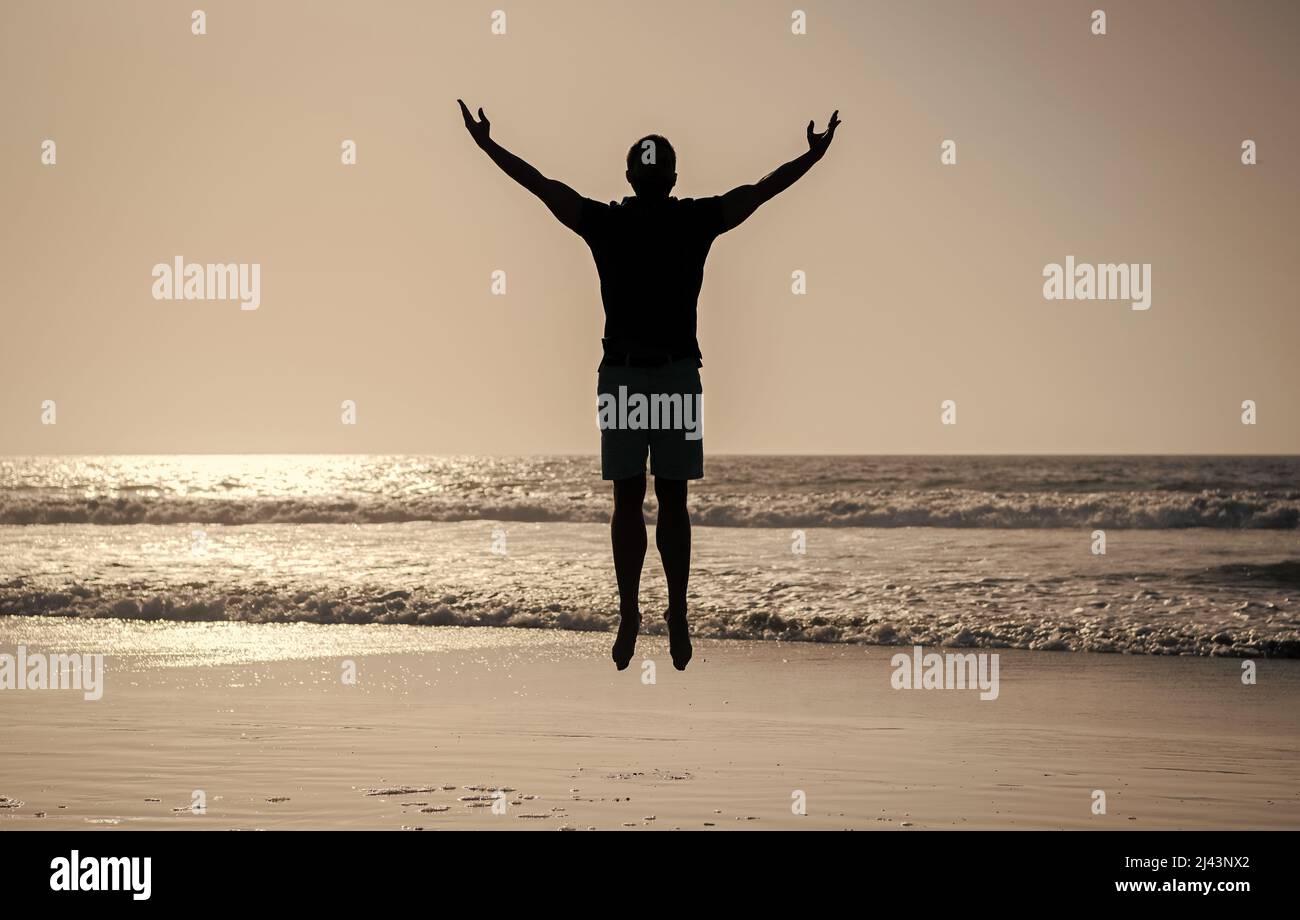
442	717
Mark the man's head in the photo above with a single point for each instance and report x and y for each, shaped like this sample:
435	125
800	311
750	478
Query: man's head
652	167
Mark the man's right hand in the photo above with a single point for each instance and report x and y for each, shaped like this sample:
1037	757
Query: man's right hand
477	129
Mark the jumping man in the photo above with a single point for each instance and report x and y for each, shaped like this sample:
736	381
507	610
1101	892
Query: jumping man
650	251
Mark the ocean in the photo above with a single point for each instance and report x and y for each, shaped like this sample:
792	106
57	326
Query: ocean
1202	554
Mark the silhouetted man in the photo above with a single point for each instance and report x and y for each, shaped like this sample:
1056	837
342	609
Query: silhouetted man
650	251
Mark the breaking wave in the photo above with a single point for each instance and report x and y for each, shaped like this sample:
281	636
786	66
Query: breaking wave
892	625
875	508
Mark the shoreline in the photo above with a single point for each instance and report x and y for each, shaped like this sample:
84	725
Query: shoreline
1206	593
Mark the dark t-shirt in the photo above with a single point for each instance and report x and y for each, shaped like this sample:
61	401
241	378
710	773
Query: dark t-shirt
650	255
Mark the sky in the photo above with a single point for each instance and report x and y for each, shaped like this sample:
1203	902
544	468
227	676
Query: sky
924	279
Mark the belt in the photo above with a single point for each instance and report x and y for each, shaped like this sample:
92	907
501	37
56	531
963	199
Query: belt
640	359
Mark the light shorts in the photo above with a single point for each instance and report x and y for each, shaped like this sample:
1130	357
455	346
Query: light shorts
670	395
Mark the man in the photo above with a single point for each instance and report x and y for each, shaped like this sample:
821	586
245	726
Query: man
650	251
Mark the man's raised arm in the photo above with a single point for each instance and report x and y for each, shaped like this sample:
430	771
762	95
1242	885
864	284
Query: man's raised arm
743	201
564	202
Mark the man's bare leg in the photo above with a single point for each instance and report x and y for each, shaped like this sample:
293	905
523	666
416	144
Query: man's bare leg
627	534
673	537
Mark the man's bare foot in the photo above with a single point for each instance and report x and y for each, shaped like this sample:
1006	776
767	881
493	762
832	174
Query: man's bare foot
679	639
625	645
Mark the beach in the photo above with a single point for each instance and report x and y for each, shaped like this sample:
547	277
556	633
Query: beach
259	718
423	642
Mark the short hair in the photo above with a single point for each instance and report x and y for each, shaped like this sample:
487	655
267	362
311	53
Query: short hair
665	156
